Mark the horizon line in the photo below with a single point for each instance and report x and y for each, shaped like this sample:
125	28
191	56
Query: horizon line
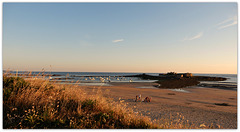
114	72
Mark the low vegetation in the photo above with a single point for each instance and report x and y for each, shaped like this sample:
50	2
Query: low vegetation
40	104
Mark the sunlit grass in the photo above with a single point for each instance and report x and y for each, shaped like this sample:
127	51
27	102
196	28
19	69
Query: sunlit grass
37	103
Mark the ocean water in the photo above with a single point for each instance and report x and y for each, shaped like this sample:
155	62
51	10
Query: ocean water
231	78
102	78
91	77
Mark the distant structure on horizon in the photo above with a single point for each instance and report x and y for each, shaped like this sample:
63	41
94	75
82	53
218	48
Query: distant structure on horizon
176	75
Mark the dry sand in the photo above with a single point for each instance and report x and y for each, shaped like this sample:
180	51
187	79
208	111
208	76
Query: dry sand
198	106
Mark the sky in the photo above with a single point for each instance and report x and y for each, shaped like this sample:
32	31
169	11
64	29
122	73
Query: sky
120	37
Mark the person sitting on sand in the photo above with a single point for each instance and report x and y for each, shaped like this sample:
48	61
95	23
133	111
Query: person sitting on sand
138	97
147	99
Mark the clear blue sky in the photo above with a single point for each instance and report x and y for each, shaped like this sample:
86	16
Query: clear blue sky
121	37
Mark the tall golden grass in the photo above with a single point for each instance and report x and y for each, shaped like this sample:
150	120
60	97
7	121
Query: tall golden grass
38	104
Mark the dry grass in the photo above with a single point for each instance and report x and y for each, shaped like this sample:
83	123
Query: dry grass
37	103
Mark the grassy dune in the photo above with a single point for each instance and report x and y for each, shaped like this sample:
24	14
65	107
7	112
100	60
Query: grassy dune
36	103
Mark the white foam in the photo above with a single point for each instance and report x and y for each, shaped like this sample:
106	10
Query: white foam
180	90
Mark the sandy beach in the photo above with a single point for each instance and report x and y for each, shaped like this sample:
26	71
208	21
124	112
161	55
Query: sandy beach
198	105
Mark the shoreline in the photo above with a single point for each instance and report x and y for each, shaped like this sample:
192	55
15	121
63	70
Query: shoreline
164	80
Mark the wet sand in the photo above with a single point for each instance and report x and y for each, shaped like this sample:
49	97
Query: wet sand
198	105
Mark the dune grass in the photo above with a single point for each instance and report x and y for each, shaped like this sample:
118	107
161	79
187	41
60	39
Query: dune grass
41	104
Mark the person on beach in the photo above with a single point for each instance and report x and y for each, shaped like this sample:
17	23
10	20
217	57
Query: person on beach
147	99
138	97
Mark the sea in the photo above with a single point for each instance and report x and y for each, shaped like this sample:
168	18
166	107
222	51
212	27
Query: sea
103	78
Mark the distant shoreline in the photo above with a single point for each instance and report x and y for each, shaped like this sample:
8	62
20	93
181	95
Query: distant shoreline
112	72
164	81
